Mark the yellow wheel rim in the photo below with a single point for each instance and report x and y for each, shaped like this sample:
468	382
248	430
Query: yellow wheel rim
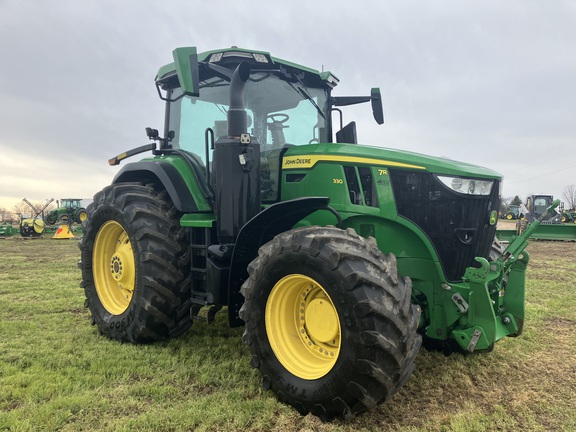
303	327
114	268
509	216
83	216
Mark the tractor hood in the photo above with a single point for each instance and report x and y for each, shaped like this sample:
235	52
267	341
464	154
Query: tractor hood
306	156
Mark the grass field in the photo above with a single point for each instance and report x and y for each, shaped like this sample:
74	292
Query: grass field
57	373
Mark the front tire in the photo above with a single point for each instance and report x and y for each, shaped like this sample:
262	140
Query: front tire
135	262
330	325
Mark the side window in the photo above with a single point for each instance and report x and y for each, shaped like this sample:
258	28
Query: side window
195	116
540	202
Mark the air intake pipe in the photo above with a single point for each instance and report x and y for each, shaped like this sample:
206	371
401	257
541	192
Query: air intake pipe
237	120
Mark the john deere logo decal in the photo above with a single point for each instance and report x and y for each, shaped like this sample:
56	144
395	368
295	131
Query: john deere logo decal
493	217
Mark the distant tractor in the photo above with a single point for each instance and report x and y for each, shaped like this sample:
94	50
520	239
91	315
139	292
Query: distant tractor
567	215
338	258
512	213
69	210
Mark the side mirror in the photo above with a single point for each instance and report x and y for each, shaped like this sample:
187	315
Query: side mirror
186	63
376	100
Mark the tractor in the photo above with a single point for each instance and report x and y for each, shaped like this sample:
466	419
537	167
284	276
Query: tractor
512	213
69	210
339	259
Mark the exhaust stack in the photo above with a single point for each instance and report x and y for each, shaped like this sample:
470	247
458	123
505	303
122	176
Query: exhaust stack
236	166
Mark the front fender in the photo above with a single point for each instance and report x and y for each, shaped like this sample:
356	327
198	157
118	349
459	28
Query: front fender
263	227
166	175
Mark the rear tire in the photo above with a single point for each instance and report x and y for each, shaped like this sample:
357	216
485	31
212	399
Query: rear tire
135	261
330	325
51	219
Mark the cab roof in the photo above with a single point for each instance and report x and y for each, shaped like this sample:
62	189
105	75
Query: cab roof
261	58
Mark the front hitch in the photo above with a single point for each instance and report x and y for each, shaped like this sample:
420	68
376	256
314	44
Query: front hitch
495	304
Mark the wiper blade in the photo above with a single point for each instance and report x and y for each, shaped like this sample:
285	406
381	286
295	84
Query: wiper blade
302	91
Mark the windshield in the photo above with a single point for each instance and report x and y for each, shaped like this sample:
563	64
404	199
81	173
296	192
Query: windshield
279	113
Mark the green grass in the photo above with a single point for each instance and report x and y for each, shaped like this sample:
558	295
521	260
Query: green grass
57	373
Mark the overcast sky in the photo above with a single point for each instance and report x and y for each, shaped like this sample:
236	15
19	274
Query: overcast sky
487	82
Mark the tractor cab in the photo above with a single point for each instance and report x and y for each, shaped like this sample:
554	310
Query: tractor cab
71	203
285	105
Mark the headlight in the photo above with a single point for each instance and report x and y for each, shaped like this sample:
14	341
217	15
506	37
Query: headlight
468	186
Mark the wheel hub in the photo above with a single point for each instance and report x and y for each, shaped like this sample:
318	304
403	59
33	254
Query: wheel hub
116	267
303	326
321	321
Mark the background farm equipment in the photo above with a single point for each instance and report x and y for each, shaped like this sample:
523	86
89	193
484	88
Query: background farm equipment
69	210
512	213
536	206
567	215
33	226
7	230
550	226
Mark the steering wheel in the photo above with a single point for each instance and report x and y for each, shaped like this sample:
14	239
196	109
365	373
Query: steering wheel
282	118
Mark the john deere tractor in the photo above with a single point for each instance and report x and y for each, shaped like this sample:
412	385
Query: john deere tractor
69	210
338	258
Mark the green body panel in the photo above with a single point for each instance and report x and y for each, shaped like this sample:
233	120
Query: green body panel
392	158
565	232
185	61
198	220
319	170
187	175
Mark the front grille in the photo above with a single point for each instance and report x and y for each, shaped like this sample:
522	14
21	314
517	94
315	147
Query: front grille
457	224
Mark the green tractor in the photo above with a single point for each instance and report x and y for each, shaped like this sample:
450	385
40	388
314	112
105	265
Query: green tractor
512	213
69	210
338	258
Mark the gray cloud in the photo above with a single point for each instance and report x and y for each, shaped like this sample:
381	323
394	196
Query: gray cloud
491	83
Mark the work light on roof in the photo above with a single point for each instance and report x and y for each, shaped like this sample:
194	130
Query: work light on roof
260	58
216	57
